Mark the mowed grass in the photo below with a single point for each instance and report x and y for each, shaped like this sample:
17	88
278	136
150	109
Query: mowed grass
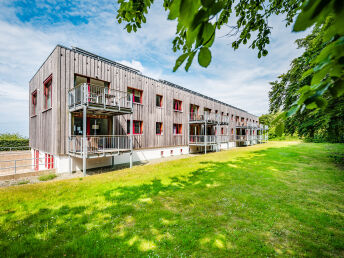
280	198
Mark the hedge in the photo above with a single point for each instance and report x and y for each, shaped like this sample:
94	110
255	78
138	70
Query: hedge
18	144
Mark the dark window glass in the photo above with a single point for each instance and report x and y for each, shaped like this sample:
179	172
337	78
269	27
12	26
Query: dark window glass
158	128
158	101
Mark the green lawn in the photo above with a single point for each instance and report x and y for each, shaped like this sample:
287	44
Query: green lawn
280	198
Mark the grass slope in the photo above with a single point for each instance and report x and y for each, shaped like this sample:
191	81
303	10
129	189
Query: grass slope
275	199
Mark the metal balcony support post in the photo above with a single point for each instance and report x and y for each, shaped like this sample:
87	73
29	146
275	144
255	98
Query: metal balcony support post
84	155
69	141
205	133
131	133
104	101
113	133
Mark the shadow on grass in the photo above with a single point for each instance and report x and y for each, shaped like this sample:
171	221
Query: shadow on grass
224	208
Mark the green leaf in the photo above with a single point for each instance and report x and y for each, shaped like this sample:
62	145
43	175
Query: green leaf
174	9
312	11
189	62
312	105
292	110
187	11
199	18
128	28
204	57
337	88
208	34
179	61
307	73
207	3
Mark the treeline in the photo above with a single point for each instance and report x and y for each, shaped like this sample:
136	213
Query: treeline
325	124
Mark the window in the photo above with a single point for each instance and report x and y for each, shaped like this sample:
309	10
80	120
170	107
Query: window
232	131
49	161
207	110
137	95
177	129
194	109
177	105
47	92
222	130
158	101
216	111
33	102
137	127
222	113
232	117
158	128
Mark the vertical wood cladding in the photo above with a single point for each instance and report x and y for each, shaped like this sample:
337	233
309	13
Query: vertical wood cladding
49	129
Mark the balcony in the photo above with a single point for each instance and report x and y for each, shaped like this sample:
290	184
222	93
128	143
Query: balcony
202	139
98	146
99	99
209	118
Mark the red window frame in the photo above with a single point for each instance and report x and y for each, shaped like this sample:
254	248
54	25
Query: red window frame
36	159
177	129
222	130
49	161
194	109
46	92
158	125
133	93
177	105
160	100
34	102
140	125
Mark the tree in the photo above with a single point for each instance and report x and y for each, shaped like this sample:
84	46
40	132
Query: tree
198	21
326	124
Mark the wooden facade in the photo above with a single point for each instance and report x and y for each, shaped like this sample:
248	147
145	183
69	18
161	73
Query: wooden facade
49	129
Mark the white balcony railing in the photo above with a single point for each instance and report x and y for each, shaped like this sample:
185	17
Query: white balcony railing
98	95
194	116
198	139
99	144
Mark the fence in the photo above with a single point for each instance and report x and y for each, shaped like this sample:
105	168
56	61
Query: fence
15	166
18	148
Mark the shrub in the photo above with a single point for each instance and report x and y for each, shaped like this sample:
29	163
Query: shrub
24	182
13	140
47	177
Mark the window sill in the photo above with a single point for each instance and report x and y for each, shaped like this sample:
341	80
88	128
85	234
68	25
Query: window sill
177	134
46	110
159	107
159	134
136	103
33	116
180	111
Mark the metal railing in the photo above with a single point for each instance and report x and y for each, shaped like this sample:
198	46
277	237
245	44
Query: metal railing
223	138
99	143
16	166
98	95
194	116
21	148
241	137
196	139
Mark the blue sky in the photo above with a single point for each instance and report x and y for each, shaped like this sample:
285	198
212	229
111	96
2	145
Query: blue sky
29	30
